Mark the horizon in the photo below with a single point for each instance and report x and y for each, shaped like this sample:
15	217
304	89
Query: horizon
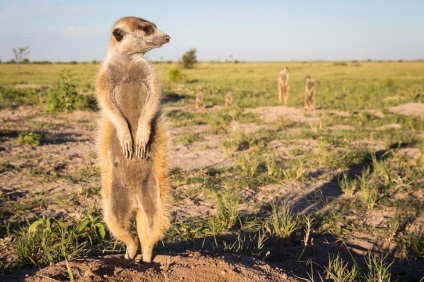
218	62
270	31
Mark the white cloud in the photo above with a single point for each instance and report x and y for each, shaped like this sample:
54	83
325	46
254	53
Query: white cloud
75	32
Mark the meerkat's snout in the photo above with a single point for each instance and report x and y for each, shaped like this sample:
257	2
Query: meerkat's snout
164	38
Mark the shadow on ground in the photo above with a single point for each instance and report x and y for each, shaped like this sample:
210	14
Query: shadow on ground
46	137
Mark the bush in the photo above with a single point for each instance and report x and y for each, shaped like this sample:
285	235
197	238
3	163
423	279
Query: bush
189	59
29	138
175	75
11	97
64	96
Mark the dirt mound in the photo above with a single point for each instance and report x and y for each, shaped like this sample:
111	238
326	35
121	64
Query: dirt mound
416	109
182	267
272	114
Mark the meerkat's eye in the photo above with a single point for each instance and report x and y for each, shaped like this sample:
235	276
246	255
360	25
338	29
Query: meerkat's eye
147	29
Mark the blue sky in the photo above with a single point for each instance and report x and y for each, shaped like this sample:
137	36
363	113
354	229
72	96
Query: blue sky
267	30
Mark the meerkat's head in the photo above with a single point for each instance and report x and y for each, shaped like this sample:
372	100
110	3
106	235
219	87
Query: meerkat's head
131	35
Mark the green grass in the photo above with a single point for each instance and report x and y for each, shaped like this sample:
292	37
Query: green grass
48	240
347	87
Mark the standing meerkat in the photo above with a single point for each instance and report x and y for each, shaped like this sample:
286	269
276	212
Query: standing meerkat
200	103
133	138
309	93
283	86
228	99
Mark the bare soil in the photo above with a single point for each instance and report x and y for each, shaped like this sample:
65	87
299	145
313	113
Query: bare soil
175	267
43	173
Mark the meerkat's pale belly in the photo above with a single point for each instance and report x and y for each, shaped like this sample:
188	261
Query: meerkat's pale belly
130	99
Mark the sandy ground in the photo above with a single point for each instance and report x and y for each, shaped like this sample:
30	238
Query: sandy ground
33	174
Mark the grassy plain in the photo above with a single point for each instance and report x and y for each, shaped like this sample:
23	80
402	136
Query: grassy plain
337	192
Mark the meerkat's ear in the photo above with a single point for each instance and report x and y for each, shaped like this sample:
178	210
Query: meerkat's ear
118	34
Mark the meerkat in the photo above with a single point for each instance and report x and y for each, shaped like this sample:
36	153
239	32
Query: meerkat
283	86
200	103
133	138
309	93
228	99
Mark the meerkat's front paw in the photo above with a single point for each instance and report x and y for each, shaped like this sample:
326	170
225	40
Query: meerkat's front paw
142	139
126	144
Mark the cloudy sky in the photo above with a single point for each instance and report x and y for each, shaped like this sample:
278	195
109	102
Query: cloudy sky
247	30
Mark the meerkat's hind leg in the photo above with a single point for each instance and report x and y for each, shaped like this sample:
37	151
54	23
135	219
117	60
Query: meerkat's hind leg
148	219
119	224
144	231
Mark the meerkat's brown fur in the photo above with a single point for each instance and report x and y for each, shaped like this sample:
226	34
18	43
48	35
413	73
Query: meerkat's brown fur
133	138
228	99
200	103
283	86
309	93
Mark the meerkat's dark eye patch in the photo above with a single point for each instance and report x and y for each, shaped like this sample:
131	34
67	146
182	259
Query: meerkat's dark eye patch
118	34
147	29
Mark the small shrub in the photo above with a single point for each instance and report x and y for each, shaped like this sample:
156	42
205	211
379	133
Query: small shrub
11	97
64	96
176	75
29	138
189	59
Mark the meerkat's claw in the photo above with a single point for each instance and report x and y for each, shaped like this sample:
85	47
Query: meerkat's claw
143	135
140	151
126	144
127	149
146	151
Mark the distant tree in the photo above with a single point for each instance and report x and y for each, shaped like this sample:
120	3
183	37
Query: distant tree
20	54
189	59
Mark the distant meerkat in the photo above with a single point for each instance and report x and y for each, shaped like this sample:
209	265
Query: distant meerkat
133	138
283	86
309	93
200	103
228	99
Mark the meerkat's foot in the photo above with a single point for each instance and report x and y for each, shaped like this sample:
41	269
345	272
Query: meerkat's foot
147	253
142	137
126	144
131	252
